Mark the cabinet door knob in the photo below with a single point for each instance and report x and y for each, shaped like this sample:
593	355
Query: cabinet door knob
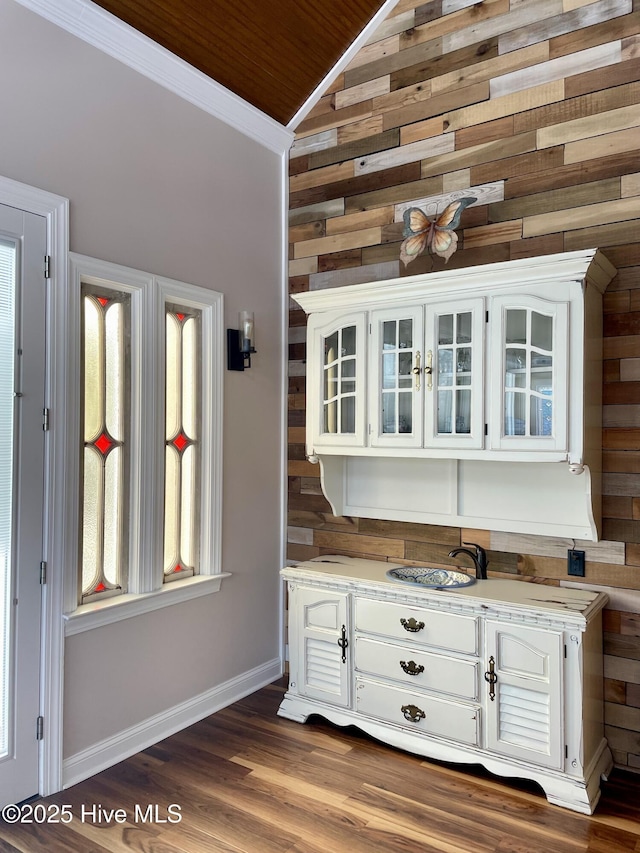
411	668
411	625
412	713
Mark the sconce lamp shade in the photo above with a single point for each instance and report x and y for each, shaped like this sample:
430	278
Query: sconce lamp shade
241	342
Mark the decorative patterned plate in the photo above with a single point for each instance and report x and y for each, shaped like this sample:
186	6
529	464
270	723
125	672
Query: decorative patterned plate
431	578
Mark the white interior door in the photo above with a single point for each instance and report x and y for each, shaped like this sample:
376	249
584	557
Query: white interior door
23	242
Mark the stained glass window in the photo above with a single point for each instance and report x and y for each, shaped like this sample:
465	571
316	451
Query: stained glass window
182	442
105	450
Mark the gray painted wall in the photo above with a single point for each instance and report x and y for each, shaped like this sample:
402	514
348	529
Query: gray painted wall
158	185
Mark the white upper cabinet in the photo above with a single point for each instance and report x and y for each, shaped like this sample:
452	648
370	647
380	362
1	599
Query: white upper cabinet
336	359
396	359
529	374
494	364
454	381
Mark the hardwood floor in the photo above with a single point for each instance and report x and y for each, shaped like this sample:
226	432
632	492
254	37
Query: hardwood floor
247	781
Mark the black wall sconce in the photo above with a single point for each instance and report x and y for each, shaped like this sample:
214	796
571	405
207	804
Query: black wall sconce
240	342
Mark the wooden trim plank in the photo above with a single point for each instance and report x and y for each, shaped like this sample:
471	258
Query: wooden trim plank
394	61
372	52
617	27
547	27
576	218
555	200
493	67
355	148
402	97
438	105
338	242
324	175
362	92
394	194
602	146
537	96
522	17
316	142
422	130
466	17
556	69
598	125
411	153
370	126
487	152
485	235
358	221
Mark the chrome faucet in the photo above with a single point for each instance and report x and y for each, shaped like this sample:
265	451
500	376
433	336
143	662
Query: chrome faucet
479	558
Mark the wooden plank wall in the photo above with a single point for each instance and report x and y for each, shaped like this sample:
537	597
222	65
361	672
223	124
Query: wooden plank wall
532	106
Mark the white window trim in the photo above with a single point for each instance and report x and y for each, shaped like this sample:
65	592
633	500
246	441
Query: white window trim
146	591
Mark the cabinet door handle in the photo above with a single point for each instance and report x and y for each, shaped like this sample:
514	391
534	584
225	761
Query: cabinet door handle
343	643
411	625
412	713
411	668
416	370
428	369
491	677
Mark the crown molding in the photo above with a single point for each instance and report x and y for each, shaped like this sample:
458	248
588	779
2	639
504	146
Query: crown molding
94	25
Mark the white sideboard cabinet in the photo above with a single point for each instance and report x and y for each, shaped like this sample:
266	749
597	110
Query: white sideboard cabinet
506	674
425	393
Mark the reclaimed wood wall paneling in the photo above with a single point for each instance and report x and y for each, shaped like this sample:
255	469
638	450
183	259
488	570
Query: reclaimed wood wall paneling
538	105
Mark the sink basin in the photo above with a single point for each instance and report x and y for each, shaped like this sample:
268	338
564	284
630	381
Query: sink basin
431	578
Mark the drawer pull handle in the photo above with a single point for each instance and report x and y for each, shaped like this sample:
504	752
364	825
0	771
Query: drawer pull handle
411	625
411	668
343	643
491	677
412	713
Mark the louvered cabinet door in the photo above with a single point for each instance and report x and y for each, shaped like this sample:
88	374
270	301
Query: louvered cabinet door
524	718
320	651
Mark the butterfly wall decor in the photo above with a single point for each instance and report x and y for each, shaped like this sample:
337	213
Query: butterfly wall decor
436	233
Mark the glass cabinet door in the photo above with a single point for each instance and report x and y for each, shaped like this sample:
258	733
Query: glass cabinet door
454	386
397	377
529	361
336	403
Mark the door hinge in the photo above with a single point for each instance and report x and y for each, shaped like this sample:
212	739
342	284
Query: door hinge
40	728
47	266
486	429
43	573
45	419
566	751
486	316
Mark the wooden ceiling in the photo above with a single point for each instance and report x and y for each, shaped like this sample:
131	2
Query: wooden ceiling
272	53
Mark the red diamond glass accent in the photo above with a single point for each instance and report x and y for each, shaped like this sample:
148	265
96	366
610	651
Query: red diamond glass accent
103	443
178	568
181	317
180	442
102	300
100	588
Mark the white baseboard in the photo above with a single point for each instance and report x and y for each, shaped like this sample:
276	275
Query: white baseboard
116	748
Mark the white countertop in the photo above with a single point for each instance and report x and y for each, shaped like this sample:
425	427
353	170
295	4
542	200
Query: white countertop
514	592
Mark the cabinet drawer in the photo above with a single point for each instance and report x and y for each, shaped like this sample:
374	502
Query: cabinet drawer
431	672
417	625
418	712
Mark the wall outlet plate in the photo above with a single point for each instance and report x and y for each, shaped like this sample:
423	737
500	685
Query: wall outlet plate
575	563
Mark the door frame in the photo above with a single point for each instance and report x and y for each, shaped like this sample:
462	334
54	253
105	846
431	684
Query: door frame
58	548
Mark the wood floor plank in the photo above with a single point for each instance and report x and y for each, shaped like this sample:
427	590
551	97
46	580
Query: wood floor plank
248	781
